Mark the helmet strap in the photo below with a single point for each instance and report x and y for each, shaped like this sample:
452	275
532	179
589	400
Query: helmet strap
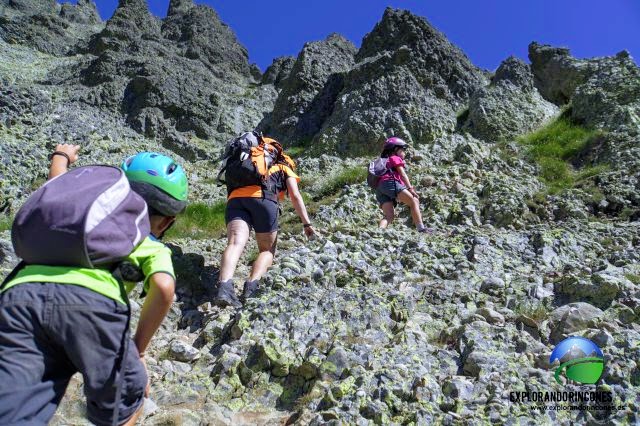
159	237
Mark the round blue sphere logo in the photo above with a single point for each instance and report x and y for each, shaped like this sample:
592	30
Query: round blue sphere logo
580	359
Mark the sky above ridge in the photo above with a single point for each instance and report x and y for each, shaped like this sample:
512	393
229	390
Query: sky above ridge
487	31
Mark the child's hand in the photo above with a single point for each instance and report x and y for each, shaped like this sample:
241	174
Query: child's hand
70	150
413	192
62	158
146	370
310	232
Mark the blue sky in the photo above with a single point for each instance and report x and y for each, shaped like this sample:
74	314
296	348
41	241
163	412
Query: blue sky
488	31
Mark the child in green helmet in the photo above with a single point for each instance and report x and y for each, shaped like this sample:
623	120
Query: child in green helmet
58	320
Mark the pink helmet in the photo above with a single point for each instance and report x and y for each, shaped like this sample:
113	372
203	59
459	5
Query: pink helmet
394	142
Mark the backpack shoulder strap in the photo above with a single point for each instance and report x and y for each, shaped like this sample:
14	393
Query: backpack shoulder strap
13	274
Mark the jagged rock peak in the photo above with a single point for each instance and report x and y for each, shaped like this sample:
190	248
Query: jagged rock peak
336	43
84	12
399	28
278	71
557	74
414	42
201	34
509	106
516	71
337	38
131	21
404	65
133	3
179	6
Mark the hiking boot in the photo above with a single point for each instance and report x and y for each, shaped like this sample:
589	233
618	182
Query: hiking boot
226	295
250	289
424	230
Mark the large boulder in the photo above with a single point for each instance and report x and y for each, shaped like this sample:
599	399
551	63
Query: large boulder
310	90
509	106
409	80
572	318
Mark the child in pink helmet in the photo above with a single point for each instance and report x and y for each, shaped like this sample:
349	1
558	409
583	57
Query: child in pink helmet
394	185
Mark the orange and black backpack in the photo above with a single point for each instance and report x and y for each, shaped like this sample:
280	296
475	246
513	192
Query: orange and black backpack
248	159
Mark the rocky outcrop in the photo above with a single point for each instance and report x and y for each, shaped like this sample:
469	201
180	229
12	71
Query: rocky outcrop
83	12
557	74
509	106
409	80
27	7
131	27
604	92
310	90
610	99
200	35
185	74
48	26
278	71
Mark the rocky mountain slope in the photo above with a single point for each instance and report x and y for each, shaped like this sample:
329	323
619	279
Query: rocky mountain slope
360	326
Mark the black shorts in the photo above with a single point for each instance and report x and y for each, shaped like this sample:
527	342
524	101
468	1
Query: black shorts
388	191
261	214
50	331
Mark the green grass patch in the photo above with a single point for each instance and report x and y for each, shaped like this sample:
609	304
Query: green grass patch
302	148
5	223
588	172
199	221
553	146
296	151
633	278
348	176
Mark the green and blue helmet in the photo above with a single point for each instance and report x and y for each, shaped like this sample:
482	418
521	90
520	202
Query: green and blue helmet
159	180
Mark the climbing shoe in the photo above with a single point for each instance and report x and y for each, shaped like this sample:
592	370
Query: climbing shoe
226	295
424	230
250	289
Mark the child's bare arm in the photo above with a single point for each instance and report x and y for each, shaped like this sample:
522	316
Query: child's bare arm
405	179
59	162
298	205
154	309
